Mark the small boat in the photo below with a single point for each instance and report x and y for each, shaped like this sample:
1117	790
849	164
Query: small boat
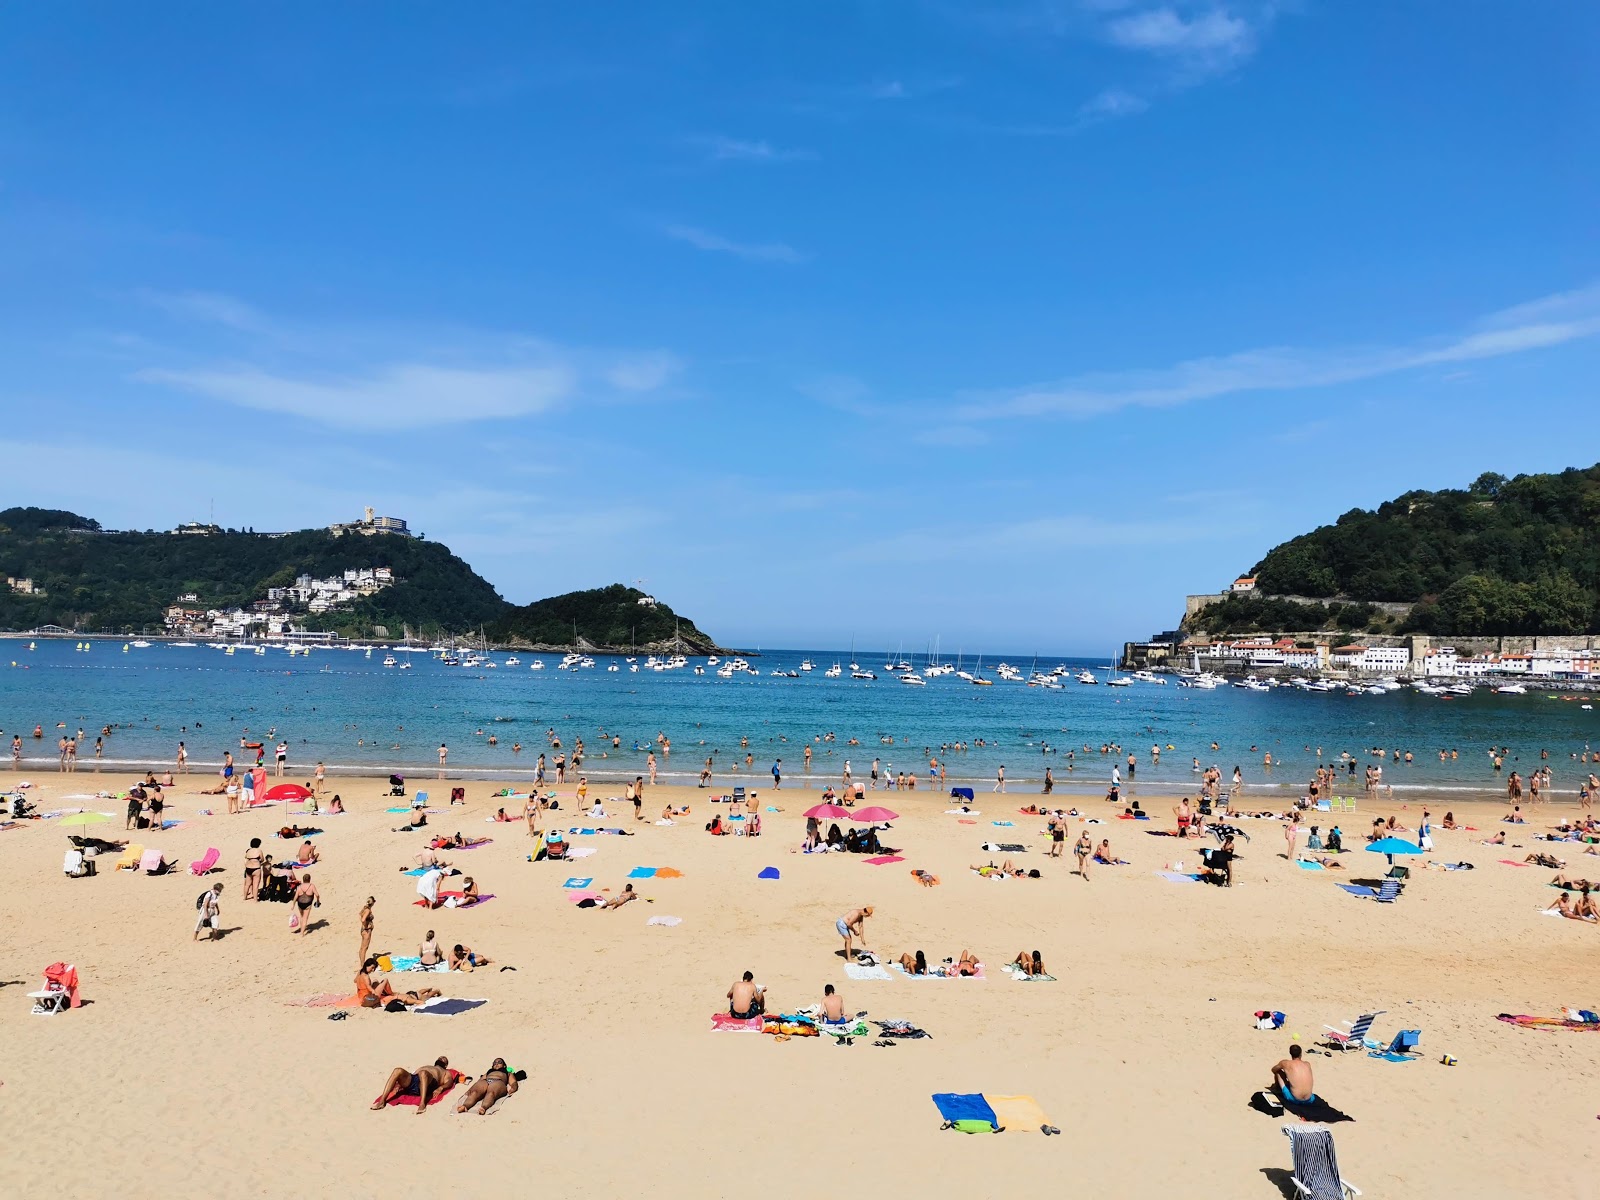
833	672
536	665
1087	677
390	660
862	675
1511	689
913	679
513	661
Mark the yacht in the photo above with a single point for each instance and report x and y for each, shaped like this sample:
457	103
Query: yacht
862	675
1148	677
183	645
390	660
699	670
913	679
536	665
1087	677
807	665
833	672
1511	689
712	660
141	645
513	661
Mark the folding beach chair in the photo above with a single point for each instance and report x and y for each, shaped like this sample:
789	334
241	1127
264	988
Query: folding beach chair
1355	1037
1316	1168
1388	891
206	862
738	794
60	991
1400	1050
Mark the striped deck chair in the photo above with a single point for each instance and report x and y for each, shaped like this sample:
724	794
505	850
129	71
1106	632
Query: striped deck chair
1355	1037
1388	891
1316	1167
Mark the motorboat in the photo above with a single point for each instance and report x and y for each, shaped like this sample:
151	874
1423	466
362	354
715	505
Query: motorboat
536	665
862	675
1149	677
807	665
833	672
1087	677
1511	689
513	661
913	679
390	660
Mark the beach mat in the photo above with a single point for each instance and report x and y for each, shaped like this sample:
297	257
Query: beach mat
957	1107
575	882
482	900
1177	877
329	1000
768	873
432	1100
722	1022
1356	889
441	1007
1511	862
884	860
1527	1022
642	873
662	920
860	972
1018	1113
1022	976
579	897
1308	866
413	962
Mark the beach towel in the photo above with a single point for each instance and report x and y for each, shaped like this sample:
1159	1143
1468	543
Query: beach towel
478	846
1011	823
884	860
722	1022
962	812
668	873
1019	1114
904	974
1308	866
578	883
901	1029
668	921
642	873
411	962
1022	976
860	972
1178	877
768	873
328	1000
580	851
434	1098
1005	847
1527	1022
962	793
1512	863
964	821
439	1006
970	1113
849	1027
1356	889
580	897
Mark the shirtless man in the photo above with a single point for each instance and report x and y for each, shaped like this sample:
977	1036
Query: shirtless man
308	854
305	895
421	1083
1291	1078
1185	815
852	928
745	999
494	1083
833	1007
465	958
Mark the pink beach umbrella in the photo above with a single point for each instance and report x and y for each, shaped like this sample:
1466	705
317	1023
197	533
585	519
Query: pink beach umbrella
828	812
874	815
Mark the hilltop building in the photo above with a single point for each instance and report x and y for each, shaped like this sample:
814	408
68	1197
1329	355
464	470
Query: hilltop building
370	525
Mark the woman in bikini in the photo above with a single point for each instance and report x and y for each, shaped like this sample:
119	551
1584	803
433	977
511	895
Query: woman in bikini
966	964
494	1084
917	965
253	870
365	921
1084	850
1029	964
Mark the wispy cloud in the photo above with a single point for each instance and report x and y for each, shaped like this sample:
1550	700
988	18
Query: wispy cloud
702	239
1213	39
727	149
1552	321
901	89
209	307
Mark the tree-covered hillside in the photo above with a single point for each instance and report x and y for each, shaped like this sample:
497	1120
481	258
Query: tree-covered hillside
1504	556
608	616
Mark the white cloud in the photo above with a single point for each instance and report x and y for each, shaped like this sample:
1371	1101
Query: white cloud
702	239
1540	325
727	149
398	396
641	373
1215	36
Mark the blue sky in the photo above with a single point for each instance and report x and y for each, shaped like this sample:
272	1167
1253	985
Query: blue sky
1005	322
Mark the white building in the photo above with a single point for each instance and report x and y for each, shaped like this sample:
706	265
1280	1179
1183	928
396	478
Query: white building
370	525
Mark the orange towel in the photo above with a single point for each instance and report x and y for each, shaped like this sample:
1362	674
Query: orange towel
668	873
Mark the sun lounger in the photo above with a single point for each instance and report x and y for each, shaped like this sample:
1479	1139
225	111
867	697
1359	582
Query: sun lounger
1400	1049
129	860
1355	1037
151	863
1316	1169
206	862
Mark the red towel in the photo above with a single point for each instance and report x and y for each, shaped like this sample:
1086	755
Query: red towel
455	1077
64	975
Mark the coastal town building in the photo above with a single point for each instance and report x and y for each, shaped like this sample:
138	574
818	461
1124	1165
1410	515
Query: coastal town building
1245	583
272	616
23	587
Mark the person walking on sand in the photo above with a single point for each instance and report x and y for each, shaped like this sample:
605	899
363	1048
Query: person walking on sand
1084	850
853	928
210	912
253	870
183	758
365	921
1000	779
319	778
777	774
530	812
305	895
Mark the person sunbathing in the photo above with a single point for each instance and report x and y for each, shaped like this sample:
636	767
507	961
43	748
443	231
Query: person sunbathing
289	832
746	998
1499	839
1566	908
421	1083
1103	855
833	1012
456	842
500	819
336	807
465	958
1545	860
917	965
925	878
1029	964
1291	1079
1449	821
966	964
1006	869
469	893
494	1084
376	995
418	821
624	897
1571	885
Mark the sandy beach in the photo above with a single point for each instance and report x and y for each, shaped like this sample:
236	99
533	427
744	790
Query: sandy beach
194	1069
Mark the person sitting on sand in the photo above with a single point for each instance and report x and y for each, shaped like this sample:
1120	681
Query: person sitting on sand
1565	908
833	1012
465	958
1291	1078
1514	817
1029	964
469	893
1449	821
422	1083
376	995
914	965
1104	856
494	1084
419	820
307	854
746	999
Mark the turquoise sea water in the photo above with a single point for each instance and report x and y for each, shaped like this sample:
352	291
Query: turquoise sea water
357	715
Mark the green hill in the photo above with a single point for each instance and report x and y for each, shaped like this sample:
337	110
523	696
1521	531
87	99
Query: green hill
1503	556
88	579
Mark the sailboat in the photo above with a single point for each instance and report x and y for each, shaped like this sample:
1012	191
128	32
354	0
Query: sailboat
1115	680
977	675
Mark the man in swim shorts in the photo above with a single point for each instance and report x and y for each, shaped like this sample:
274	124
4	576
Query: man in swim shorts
421	1083
1291	1078
746	999
852	926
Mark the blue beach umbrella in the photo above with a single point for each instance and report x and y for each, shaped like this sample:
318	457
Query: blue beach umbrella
1392	846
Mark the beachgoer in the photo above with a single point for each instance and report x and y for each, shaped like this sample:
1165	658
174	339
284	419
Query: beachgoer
210	913
1291	1077
852	927
465	958
625	896
917	965
494	1084
428	951
1029	964
421	1083
833	1012
305	896
1084	849
307	854
746	999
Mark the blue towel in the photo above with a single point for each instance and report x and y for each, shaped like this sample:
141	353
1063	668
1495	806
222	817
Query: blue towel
1356	889
417	871
642	873
768	873
954	1106
964	793
578	883
1308	866
448	1008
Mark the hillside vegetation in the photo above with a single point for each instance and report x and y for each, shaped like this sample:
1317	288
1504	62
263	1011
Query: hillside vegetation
1504	556
123	581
